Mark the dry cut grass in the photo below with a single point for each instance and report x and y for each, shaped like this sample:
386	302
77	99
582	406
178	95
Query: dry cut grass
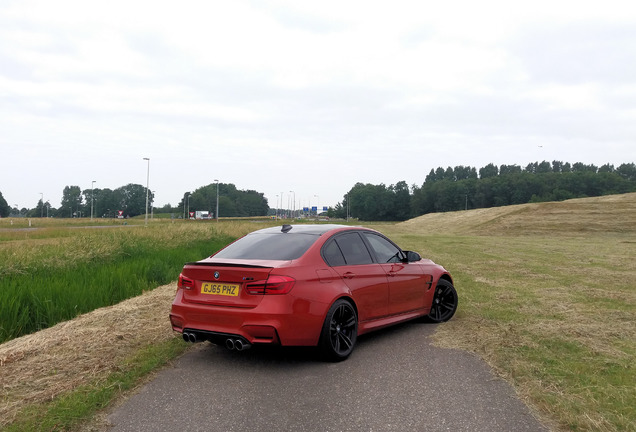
38	367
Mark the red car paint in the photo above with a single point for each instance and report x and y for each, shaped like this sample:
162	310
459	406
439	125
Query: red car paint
286	300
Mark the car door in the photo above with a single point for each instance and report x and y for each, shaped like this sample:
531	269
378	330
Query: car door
348	255
407	281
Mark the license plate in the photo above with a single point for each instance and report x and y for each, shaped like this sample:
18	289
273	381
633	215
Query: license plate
220	289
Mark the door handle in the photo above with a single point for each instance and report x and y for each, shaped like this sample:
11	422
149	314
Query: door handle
349	275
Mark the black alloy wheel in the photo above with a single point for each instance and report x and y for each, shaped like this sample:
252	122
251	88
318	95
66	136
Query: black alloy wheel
444	302
339	331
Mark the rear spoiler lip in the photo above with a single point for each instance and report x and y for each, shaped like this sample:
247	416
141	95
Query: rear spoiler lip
222	264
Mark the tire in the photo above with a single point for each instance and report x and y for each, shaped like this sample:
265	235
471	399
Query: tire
444	302
339	331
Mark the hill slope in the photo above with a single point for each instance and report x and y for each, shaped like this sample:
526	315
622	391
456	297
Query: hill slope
611	213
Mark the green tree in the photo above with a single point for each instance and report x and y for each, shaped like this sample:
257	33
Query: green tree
4	207
509	169
105	202
489	170
544	167
131	199
465	173
627	171
232	202
401	206
71	202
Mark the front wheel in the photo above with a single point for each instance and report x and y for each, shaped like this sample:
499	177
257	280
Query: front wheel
339	331
444	302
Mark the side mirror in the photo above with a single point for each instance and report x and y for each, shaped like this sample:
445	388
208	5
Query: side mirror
412	256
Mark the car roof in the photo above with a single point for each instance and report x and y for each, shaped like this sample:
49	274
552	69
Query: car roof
316	229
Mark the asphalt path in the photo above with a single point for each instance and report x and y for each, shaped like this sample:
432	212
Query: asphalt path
395	380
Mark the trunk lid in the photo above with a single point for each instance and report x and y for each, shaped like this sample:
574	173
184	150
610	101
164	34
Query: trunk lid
223	283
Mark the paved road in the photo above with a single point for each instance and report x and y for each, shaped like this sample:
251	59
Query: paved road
394	381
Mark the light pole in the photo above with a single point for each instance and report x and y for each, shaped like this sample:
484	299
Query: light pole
42	208
317	204
92	197
217	200
147	191
294	206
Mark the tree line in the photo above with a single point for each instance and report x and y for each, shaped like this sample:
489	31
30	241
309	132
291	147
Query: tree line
130	200
231	201
465	187
444	189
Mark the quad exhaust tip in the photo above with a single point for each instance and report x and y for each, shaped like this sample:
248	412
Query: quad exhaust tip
236	344
190	337
230	343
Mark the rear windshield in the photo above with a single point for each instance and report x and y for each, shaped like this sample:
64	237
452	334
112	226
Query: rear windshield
276	246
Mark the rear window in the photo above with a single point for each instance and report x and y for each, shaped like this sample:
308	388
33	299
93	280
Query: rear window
277	246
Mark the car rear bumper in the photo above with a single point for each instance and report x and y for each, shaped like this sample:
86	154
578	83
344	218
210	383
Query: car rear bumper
284	320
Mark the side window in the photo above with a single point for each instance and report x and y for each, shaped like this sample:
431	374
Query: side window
332	255
384	250
353	248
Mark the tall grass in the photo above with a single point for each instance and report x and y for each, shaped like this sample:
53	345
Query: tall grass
63	273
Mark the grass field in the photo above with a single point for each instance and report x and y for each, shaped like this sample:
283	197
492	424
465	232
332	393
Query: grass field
547	298
52	272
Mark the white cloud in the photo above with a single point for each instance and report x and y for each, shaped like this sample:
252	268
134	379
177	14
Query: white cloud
310	95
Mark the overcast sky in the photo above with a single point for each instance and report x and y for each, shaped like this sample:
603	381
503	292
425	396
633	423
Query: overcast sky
305	96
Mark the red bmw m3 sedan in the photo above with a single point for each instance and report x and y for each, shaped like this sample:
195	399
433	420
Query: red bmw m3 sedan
308	285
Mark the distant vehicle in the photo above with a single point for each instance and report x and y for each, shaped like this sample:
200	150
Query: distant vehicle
202	215
308	285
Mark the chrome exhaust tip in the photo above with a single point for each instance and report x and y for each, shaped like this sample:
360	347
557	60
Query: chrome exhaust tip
241	346
190	337
229	344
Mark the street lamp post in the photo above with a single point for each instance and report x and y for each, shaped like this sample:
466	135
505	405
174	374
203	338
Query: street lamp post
294	206
282	214
217	200
92	198
147	190
42	208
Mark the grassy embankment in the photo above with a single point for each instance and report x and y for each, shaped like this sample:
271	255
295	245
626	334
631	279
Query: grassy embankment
548	298
53	273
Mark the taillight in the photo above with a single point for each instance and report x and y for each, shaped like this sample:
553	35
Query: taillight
185	282
273	285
